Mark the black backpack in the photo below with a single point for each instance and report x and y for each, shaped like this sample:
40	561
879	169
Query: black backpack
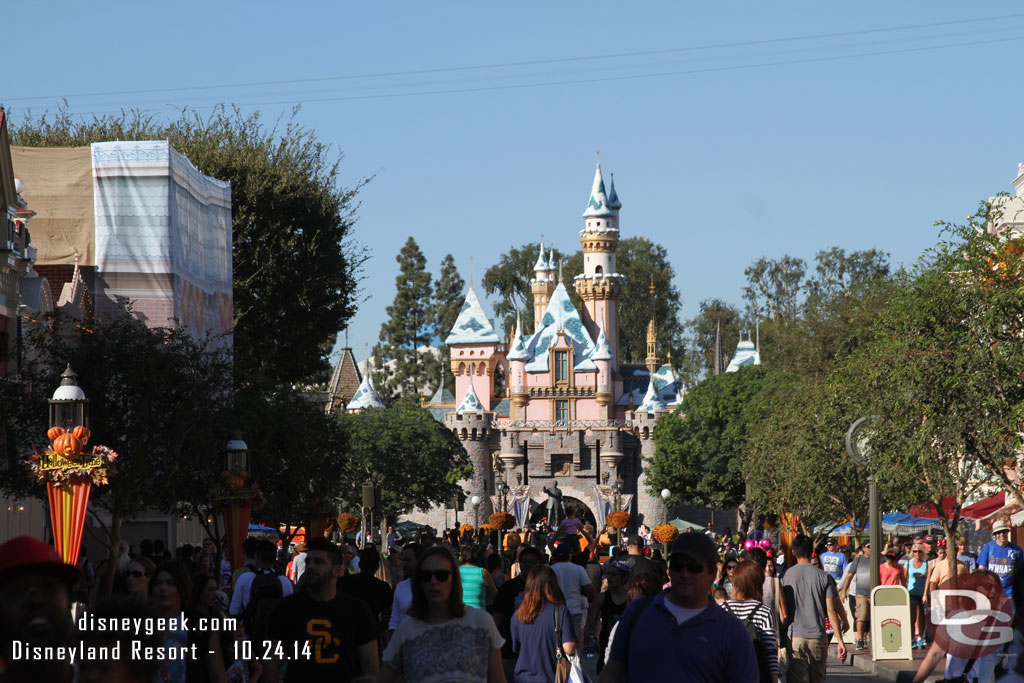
264	594
764	676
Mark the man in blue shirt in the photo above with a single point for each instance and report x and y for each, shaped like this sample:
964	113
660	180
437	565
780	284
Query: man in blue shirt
833	562
682	635
1001	556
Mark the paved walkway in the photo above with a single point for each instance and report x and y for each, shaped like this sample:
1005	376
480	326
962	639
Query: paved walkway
860	663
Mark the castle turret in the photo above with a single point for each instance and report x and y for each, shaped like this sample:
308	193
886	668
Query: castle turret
542	284
517	357
600	286
602	358
474	428
649	507
365	396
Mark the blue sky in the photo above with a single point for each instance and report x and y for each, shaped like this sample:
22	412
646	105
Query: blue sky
735	130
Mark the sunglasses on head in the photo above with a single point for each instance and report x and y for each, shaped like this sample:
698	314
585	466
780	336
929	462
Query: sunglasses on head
680	564
135	574
442	575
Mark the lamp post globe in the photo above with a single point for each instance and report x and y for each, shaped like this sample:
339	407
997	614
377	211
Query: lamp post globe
69	408
475	502
665	495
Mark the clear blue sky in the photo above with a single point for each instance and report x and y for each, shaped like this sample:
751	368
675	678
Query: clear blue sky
735	130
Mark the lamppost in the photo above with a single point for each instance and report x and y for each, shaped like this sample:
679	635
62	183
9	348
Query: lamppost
665	495
617	497
859	449
503	500
475	502
235	501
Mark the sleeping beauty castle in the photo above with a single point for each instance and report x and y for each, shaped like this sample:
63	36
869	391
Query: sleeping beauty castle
564	408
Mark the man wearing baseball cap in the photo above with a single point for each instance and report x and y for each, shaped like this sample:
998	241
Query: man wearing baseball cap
680	634
35	608
1001	556
636	560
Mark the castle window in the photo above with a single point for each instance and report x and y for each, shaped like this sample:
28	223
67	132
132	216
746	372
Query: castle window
599	269
562	411
561	366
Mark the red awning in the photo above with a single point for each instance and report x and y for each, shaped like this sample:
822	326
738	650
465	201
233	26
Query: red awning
927	510
984	507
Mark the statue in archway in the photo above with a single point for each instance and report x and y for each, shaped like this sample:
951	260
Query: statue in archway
555	511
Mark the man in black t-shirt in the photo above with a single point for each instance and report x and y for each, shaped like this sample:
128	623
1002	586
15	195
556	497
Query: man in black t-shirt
365	586
638	563
340	631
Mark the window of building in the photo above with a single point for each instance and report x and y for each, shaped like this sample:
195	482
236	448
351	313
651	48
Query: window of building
562	410
561	366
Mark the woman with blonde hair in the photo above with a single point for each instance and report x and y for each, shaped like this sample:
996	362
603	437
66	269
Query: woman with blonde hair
542	628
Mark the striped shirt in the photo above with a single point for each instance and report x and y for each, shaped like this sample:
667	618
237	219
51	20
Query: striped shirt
764	619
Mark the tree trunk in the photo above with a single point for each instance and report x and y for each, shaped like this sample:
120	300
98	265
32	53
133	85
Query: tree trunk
114	545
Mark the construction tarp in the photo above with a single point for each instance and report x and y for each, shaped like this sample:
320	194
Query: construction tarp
59	188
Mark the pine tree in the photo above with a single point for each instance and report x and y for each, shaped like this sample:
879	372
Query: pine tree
409	327
449	291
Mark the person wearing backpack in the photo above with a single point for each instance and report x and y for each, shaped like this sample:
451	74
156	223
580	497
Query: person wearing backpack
680	634
259	584
747	606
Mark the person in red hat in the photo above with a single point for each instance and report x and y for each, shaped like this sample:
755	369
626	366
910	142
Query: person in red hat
35	608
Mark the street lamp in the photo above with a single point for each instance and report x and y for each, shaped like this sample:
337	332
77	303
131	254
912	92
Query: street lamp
503	500
475	502
665	495
858	447
617	497
237	457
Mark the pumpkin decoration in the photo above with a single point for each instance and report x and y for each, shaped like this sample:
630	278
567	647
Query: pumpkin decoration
54	432
618	520
347	522
67	445
233	483
82	434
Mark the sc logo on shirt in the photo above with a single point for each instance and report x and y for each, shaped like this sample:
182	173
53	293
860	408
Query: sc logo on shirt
971	616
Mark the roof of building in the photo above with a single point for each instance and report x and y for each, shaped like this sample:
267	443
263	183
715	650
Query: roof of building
345	381
560	316
602	350
365	396
652	402
541	264
519	350
613	197
441	403
470	403
552	265
598	203
636	380
746	354
472	325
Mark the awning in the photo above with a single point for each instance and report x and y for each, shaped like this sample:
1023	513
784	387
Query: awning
984	507
928	511
683	525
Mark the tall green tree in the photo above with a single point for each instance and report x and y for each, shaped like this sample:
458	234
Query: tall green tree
415	460
296	269
408	329
716	319
773	287
449	292
699	449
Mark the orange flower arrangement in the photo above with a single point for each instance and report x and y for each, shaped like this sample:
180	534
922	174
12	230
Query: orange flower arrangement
488	528
619	519
347	522
502	520
664	533
465	528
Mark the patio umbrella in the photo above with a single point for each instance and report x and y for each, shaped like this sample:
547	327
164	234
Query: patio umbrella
409	525
683	525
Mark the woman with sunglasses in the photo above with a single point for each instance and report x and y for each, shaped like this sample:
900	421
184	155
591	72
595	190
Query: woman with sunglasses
917	573
533	628
137	576
725	577
443	639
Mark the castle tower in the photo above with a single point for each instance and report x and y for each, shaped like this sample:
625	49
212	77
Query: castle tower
474	428
365	396
648	506
517	357
600	286
652	338
543	284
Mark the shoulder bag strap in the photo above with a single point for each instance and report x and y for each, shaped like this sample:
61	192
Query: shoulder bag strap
558	632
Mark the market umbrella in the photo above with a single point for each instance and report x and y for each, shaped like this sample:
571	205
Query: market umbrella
409	525
683	525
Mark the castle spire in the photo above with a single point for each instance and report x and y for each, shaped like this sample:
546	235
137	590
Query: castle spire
652	336
613	197
598	203
541	265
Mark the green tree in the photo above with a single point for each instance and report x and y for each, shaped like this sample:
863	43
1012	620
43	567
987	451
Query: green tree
773	287
415	460
943	369
156	396
409	328
295	269
699	449
449	292
716	318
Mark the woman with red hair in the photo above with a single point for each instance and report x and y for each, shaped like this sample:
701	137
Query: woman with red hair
534	626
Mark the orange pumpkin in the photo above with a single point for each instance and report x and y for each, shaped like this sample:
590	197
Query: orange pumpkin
54	432
82	434
67	445
233	483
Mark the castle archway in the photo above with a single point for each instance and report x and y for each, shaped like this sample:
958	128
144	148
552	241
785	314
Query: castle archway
585	501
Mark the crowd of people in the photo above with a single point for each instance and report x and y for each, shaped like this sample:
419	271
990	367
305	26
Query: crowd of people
457	607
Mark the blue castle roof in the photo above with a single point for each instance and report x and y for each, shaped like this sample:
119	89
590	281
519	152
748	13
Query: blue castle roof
472	325
560	315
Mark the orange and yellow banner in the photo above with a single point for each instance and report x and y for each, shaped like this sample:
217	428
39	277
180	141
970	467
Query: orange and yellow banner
68	506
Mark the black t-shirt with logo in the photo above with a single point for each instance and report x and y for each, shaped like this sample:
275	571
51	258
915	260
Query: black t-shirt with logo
334	629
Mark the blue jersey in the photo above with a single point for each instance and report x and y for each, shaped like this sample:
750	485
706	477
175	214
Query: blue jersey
1002	560
833	564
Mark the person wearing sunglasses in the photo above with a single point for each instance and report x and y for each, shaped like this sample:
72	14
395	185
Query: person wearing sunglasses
137	576
681	634
443	638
